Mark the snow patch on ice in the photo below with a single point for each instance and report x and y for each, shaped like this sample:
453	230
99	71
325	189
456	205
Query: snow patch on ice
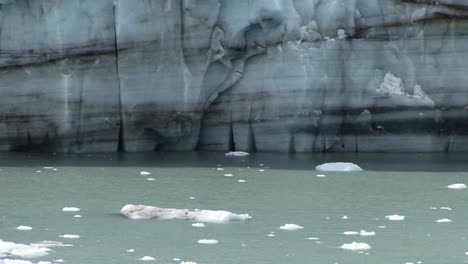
339	166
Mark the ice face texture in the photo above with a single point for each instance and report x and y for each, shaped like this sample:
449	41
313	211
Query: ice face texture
272	75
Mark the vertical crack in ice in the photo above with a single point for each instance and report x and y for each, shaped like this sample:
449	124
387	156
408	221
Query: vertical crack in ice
120	142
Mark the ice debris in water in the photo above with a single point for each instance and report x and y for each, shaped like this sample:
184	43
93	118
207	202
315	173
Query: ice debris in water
220	169
236	154
49	244
208	241
338	166
198	225
70	236
395	217
70	209
457	186
366	233
130	250
290	227
241	181
355	246
146	212
350	233
321	175
22	227
144	173
77	216
445	208
228	175
150	179
344	217
444	220
313	238
147	258
11	249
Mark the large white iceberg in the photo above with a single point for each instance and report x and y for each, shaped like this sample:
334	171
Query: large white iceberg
338	166
211	216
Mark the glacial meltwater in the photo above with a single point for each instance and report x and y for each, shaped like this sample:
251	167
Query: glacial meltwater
398	210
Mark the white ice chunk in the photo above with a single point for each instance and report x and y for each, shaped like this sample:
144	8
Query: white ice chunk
49	244
147	258
236	154
313	238
228	175
290	227
22	227
391	85
344	217
445	208
77	216
457	186
350	233
70	209
321	175
29	252
15	261
210	216
144	173
198	225
188	262
366	233
70	236
208	241
150	179
220	169
241	181
130	250
355	246
395	217
338	166
444	220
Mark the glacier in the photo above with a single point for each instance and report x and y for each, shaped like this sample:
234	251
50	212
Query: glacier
234	75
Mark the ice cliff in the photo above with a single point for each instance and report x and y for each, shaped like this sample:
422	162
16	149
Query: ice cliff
251	75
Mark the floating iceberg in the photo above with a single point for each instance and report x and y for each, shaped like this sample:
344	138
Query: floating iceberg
12	249
147	258
339	166
22	227
70	209
355	246
146	212
457	186
208	241
444	220
395	217
144	173
291	227
236	154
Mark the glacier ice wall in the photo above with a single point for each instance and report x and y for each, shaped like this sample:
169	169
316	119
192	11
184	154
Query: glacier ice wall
255	75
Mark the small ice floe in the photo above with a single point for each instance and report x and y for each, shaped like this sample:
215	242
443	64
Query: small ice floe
23	227
192	198
444	220
70	236
344	217
366	233
130	250
188	262
382	227
49	244
150	179
241	181
313	238
77	216
350	233
236	154
71	209
228	175
355	246
147	258
48	168
466	253
198	225
220	169
261	170
457	186
445	208
290	227
395	217
339	166
38	171
176	259
59	260
321	175
211	216
11	249
433	208
144	173
208	241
